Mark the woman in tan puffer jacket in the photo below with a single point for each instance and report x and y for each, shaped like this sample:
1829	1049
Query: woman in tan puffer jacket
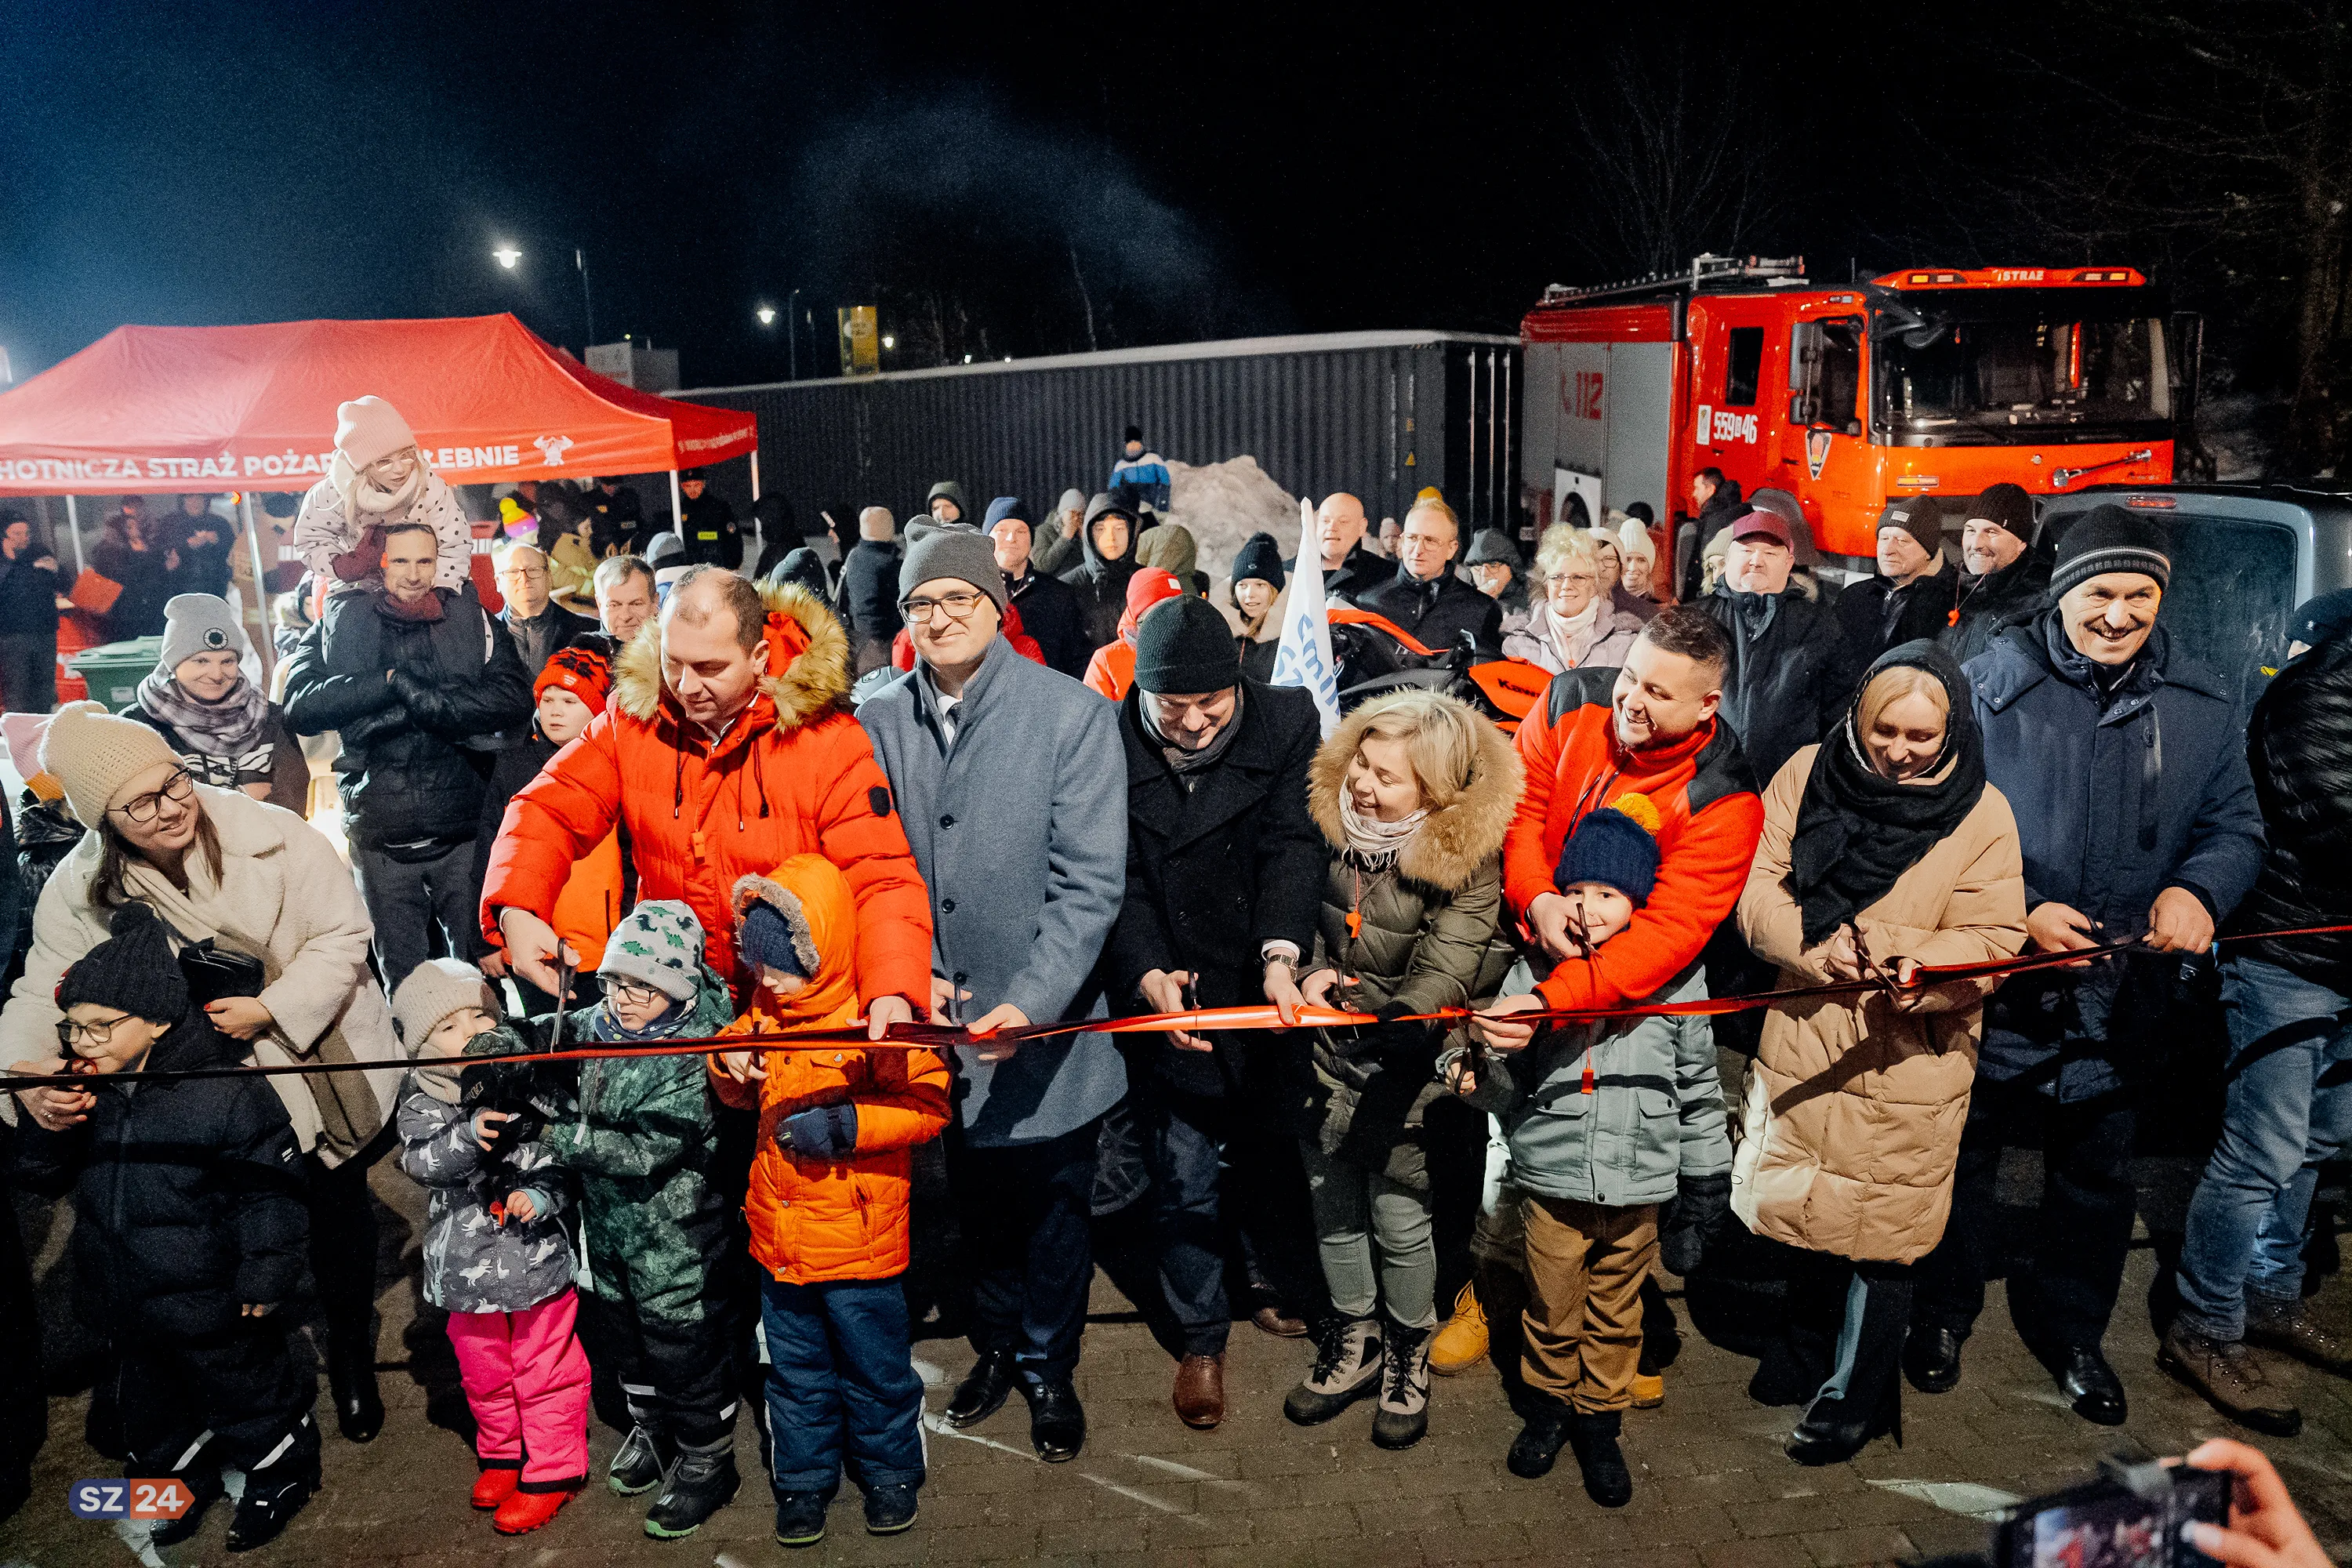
1885	850
1414	792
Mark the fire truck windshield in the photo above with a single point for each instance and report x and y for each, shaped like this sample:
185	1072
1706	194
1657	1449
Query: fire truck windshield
2026	365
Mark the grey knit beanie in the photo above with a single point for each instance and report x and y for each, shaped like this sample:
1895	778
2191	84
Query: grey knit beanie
435	989
954	551
198	623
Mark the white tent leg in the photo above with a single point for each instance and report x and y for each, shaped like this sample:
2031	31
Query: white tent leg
755	476
73	526
676	507
262	642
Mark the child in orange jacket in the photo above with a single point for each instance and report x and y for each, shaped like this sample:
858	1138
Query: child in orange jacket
827	1204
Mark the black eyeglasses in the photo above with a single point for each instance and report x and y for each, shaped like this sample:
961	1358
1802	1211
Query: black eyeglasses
958	607
71	1034
179	789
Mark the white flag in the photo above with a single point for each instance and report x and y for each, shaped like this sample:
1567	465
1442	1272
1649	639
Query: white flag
1304	658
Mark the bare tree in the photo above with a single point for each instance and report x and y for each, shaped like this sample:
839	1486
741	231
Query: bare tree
1674	167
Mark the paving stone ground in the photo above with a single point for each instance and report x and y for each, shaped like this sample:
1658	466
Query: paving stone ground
1713	1489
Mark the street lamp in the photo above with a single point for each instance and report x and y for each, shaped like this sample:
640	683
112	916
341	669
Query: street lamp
767	314
888	342
507	256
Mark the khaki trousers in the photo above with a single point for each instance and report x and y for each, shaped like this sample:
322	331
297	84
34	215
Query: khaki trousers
1586	1263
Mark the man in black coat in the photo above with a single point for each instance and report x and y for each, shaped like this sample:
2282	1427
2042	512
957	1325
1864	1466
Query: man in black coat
2124	761
1223	874
419	682
1049	607
2008	571
1719	506
867	597
712	536
536	623
2290	1099
1098	582
616	519
1917	593
1424	597
1787	682
28	618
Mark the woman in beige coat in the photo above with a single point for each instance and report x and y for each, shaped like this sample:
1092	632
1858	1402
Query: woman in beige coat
258	880
1885	851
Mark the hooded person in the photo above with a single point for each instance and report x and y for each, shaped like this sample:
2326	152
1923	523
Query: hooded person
1172	548
641	1142
1259	585
1054	546
378	477
801	565
828	1201
1111	670
1885	849
778	532
202	699
1140	479
945	503
1492	566
188	1243
1101	577
1048	607
2008	564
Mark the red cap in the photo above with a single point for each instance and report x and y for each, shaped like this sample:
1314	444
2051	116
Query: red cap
1762	525
1148	587
583	672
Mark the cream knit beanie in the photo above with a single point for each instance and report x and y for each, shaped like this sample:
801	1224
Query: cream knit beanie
368	429
92	755
435	989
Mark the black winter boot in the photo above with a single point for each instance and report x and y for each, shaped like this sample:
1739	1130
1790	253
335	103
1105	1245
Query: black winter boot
1607	1481
276	1492
1536	1448
701	1483
350	1380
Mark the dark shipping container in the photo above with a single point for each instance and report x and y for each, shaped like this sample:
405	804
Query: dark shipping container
1377	413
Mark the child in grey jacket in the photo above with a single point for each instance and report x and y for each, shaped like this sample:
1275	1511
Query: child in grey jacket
495	1257
1604	1119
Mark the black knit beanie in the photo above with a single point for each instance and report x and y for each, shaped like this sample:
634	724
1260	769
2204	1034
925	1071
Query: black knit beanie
2006	505
1917	516
1183	645
2111	539
1259	557
133	969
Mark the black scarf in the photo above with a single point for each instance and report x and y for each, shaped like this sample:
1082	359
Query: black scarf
1856	831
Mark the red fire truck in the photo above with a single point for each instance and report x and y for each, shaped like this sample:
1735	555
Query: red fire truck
1846	396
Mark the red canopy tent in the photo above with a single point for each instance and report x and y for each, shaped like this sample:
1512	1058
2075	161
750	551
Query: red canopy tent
149	409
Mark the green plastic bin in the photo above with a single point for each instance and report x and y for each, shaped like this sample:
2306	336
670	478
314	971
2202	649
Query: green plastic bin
114	671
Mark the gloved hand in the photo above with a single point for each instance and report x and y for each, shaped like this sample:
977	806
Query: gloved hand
361	558
820	1132
1697	1209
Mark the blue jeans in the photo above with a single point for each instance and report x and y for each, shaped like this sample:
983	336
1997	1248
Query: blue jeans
2289	1107
838	1361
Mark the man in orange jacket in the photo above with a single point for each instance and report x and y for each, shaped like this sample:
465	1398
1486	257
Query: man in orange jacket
725	750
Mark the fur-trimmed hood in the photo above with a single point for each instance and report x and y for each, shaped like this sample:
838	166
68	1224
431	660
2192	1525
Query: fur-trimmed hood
808	661
1456	839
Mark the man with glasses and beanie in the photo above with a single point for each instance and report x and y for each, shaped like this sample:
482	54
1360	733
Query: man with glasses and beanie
975	739
2124	761
1223	883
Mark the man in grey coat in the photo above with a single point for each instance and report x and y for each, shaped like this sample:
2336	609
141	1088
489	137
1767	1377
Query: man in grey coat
1022	900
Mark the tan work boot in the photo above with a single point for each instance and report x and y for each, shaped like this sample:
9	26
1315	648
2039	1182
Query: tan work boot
1461	1345
2289	1326
2230	1378
1649	1390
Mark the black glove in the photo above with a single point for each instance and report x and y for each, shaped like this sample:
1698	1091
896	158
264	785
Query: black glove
1690	1220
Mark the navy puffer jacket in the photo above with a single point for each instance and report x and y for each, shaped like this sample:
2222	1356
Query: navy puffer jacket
2118	797
2300	750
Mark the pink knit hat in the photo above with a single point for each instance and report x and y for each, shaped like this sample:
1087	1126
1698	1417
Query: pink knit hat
370	429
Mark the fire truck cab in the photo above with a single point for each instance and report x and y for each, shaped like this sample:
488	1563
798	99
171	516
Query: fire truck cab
1926	380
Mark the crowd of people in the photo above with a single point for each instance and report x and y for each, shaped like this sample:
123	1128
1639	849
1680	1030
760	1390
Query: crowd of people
879	785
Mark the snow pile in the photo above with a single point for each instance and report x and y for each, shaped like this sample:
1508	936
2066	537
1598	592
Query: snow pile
1224	503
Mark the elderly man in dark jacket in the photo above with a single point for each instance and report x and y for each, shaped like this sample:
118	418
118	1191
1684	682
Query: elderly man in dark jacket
419	682
2008	571
1916	593
1786	681
974	740
1222	867
2290	1092
1423	597
2126	764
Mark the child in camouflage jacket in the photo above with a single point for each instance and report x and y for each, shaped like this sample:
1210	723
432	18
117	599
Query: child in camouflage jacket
641	1138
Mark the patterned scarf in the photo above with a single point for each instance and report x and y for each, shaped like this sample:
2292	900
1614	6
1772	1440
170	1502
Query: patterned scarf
1376	843
228	728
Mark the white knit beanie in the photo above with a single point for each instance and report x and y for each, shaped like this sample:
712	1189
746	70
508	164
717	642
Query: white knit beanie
435	989
368	429
92	755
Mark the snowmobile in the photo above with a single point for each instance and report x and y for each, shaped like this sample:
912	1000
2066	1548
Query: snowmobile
1375	655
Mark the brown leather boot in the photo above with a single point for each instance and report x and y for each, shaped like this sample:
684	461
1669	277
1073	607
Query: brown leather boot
1200	1396
2230	1378
2290	1327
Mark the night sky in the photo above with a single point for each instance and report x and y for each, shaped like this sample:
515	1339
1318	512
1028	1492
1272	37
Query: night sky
1081	176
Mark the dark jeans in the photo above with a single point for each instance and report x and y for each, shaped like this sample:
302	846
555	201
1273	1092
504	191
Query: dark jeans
1842	1336
1222	1169
28	671
343	1245
675	1374
838	1364
407	899
1024	1211
2062	1292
